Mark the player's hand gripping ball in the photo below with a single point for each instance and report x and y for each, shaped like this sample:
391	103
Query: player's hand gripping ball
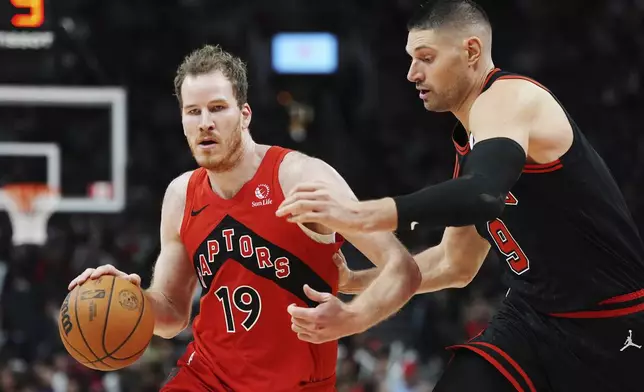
106	323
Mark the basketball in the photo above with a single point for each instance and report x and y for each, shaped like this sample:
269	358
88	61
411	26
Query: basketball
106	323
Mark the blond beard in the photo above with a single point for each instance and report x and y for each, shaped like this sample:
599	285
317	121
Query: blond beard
232	157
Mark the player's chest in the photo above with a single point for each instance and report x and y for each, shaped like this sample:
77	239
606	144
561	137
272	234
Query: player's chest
263	248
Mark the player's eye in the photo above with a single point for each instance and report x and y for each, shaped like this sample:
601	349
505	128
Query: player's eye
217	108
193	112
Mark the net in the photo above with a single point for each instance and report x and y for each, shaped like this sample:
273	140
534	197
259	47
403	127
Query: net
29	206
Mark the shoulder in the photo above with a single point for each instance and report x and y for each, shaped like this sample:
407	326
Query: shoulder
174	200
298	167
179	186
509	108
518	97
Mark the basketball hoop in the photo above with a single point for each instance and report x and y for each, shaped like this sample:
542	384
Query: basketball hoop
29	206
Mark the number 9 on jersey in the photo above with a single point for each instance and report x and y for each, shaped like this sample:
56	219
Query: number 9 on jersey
508	246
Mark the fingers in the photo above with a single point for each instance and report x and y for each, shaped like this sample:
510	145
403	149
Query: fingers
107	269
309	324
80	279
339	260
298	206
299	325
301	313
315	295
309	217
134	278
305	329
311	186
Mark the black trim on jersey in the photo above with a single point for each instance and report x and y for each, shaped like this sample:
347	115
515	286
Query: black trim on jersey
494	76
300	272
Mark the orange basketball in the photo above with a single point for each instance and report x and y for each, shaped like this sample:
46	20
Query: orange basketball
106	323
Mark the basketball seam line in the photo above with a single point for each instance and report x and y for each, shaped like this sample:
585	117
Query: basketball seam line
64	338
109	354
80	330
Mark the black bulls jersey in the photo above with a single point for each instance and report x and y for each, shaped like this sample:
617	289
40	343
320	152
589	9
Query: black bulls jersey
566	234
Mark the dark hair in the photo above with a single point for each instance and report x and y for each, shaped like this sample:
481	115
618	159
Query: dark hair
213	58
434	14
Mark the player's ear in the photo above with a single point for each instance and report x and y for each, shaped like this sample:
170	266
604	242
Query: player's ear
246	114
474	49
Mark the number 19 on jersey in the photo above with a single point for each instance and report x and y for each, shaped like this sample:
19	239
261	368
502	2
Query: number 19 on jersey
246	299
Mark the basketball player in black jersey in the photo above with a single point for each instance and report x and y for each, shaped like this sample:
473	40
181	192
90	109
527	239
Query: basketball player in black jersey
527	184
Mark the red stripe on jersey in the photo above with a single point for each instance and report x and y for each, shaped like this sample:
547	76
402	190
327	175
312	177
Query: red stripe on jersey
623	298
495	363
511	361
602	313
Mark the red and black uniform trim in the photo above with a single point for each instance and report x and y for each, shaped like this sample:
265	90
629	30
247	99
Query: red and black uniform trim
502	361
621	305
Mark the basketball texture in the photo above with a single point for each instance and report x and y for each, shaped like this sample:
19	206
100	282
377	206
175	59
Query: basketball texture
106	323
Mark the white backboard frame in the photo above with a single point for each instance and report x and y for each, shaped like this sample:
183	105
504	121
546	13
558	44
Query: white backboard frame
115	99
50	151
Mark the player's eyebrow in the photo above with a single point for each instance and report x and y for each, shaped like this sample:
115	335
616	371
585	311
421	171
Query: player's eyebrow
418	48
214	100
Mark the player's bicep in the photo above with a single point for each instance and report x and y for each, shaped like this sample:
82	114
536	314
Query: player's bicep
173	274
298	168
378	247
506	110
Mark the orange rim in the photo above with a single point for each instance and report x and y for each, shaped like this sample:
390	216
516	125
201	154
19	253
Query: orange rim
24	193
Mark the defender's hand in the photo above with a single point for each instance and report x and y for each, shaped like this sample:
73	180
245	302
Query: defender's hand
107	269
344	273
328	321
316	202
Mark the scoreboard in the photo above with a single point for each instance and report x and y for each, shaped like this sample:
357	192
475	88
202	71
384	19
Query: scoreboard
26	25
28	42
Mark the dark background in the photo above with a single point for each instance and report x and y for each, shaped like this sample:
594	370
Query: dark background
367	122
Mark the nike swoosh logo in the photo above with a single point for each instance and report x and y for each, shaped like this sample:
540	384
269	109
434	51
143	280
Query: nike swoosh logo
197	212
413	225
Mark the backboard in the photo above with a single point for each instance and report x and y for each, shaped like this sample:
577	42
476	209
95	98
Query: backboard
34	140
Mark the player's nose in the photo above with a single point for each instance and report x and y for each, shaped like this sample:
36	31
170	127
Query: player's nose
206	123
413	75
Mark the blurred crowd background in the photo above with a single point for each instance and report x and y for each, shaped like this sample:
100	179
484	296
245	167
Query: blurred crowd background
364	118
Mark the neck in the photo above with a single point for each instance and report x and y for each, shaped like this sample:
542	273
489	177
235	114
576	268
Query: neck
462	111
227	184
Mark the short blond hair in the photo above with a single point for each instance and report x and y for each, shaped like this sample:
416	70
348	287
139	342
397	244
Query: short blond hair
209	59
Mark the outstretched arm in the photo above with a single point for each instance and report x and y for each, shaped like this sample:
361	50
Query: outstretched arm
478	195
451	264
389	291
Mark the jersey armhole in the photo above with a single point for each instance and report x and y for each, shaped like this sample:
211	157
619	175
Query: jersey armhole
548	167
276	171
190	191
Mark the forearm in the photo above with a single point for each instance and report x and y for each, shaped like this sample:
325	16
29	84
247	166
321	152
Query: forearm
437	273
477	196
388	292
168	320
360	280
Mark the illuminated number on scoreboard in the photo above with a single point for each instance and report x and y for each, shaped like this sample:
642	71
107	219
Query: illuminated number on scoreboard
246	299
35	17
508	246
